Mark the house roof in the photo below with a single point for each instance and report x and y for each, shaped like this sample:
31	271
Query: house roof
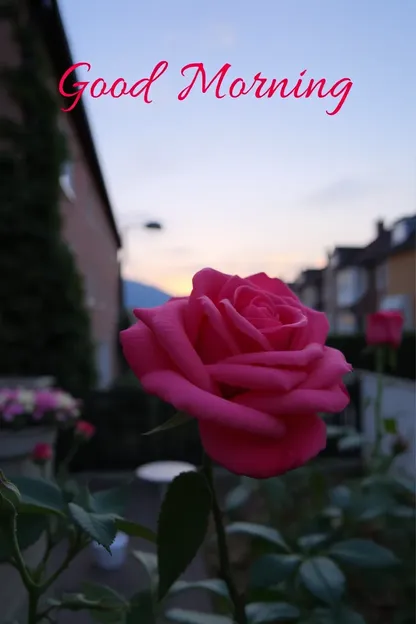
376	251
347	255
410	243
50	23
311	277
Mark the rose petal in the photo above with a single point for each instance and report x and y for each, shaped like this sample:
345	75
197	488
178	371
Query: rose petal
272	285
299	401
208	283
142	351
328	370
261	457
173	388
279	358
256	377
166	322
248	334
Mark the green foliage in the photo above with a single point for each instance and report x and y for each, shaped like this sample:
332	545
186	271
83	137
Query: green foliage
259	532
182	525
44	326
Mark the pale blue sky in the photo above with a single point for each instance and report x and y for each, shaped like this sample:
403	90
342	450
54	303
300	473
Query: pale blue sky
247	185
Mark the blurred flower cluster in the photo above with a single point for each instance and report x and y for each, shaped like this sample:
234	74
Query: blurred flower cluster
21	407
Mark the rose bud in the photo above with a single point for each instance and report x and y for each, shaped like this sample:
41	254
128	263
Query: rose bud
84	429
42	453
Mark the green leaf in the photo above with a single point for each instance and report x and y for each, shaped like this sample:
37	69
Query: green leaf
100	528
323	578
402	511
149	562
340	497
272	569
351	442
390	425
183	616
39	496
340	614
30	528
215	586
258	531
179	419
238	497
134	529
107	598
363	553
258	612
306	542
141	609
182	526
112	501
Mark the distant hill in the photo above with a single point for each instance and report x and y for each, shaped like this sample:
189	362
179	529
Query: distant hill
137	295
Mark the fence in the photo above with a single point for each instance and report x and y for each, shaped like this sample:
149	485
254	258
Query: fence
121	417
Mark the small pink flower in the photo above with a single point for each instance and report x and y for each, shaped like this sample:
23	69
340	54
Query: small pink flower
42	453
84	429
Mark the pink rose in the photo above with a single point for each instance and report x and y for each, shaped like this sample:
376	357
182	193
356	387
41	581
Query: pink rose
84	429
385	328
249	361
42	453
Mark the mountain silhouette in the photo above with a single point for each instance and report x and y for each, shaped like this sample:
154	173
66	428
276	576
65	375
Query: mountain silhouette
138	295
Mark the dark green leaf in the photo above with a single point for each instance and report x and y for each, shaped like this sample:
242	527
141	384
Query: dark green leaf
323	578
307	542
100	528
39	496
182	526
390	425
29	529
215	586
183	616
134	529
402	511
272	569
351	442
113	501
149	562
237	497
258	612
340	614
141	610
258	531
179	419
363	553
340	497
107	598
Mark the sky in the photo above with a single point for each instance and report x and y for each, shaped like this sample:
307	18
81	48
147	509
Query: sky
246	184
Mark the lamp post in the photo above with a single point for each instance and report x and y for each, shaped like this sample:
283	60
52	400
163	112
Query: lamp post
142	225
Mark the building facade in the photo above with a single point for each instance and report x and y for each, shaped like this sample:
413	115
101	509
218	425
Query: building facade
89	226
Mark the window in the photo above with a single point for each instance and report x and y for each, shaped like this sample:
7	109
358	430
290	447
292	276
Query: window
66	180
399	233
346	323
346	287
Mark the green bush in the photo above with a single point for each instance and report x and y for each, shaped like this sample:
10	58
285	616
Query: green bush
355	349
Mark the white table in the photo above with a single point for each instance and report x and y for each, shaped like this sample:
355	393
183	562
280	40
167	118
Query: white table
161	473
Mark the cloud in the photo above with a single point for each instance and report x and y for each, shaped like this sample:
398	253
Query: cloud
340	192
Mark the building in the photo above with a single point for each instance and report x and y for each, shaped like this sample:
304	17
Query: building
355	282
309	288
400	271
88	222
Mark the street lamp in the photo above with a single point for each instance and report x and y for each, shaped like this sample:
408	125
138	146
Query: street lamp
143	225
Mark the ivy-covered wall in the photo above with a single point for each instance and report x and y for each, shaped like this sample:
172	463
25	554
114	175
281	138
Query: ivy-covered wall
44	326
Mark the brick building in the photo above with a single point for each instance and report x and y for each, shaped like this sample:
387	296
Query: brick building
89	226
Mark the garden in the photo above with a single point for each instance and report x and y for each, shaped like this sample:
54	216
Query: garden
308	540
